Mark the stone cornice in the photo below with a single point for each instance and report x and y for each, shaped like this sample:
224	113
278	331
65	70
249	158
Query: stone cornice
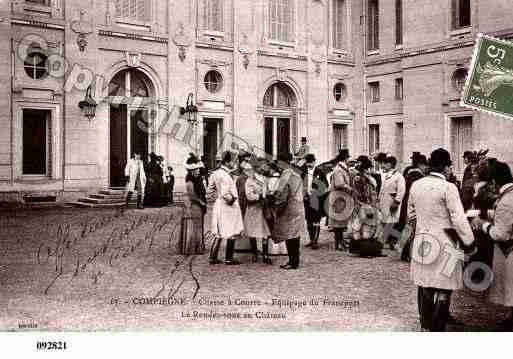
55	24
420	51
132	36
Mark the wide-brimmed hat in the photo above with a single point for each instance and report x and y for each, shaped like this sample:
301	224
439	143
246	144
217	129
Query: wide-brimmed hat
364	161
343	154
380	157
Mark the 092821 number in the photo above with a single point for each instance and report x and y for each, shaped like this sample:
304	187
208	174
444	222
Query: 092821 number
51	345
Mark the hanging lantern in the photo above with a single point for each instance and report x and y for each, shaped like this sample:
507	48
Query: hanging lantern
88	105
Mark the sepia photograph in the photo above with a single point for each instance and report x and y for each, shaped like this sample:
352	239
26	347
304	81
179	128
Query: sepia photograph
255	166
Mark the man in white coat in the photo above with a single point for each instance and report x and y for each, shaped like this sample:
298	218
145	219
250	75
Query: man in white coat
436	266
500	230
226	217
134	170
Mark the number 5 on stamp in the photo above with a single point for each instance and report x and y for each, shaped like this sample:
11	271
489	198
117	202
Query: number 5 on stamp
489	85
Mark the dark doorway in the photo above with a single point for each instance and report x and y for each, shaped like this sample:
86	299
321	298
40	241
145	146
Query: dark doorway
119	149
283	135
268	136
139	133
118	145
211	134
35	142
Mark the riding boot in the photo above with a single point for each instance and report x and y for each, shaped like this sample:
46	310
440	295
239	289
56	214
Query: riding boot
139	202
316	233
440	312
296	245
214	250
230	250
311	229
265	251
254	249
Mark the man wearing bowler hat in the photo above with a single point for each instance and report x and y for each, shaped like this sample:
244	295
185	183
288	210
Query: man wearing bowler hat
443	228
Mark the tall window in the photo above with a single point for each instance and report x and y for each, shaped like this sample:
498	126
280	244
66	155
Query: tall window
138	10
461	140
212	13
398	89
398	22
373	25
373	138
339	23
399	141
340	137
374	91
460	13
281	20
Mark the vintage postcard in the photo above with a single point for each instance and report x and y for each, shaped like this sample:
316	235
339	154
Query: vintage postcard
240	165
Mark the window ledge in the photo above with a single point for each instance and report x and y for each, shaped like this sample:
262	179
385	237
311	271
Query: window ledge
282	43
372	52
461	31
134	24
399	46
36	8
213	33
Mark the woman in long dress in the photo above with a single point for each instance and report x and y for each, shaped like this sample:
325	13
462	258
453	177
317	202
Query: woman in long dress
195	208
255	224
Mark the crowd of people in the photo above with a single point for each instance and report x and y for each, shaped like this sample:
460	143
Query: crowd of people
367	203
152	181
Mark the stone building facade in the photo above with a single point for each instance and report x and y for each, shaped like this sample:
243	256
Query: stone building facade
364	74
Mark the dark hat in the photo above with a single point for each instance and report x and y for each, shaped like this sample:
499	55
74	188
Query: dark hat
440	158
309	158
415	155
303	139
380	157
364	162
153	156
469	154
421	160
343	154
391	159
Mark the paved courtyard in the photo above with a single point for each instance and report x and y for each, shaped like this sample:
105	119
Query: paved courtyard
77	269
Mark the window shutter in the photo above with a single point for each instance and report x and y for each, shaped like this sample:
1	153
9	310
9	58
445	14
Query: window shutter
454	14
290	10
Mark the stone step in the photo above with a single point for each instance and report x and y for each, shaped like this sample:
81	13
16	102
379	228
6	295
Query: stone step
114	192
101	200
96	205
108	196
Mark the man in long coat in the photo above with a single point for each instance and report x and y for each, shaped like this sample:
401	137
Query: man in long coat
500	230
134	170
290	220
226	217
436	266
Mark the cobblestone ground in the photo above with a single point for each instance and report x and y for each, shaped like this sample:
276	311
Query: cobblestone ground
71	269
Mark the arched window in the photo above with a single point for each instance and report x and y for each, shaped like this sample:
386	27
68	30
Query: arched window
35	65
213	81
281	20
339	92
279	95
130	83
139	10
458	79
